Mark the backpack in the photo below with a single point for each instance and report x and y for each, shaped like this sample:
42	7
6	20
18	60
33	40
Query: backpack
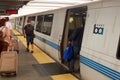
68	53
1	35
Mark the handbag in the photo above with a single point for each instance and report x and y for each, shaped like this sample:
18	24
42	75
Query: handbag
68	53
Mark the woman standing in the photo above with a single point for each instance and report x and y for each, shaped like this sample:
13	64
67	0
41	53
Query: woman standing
4	36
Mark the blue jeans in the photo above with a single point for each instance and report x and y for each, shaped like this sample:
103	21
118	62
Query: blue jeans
29	39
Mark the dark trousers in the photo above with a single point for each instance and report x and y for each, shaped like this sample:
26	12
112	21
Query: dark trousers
71	65
29	39
72	61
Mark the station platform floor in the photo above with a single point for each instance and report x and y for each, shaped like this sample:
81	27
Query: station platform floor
37	65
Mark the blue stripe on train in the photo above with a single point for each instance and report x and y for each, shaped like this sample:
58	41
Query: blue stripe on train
101	68
48	42
88	62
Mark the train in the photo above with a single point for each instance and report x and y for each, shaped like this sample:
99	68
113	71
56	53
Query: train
99	56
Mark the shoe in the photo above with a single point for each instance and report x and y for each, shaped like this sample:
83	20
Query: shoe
27	50
31	51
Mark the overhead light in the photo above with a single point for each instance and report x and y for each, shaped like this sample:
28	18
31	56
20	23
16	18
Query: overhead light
47	4
41	7
54	1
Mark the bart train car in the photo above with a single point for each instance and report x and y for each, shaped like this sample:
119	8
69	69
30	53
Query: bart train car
99	56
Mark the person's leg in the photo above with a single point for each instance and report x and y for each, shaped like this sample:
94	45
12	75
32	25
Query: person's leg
28	40
71	65
72	61
76	58
32	44
28	47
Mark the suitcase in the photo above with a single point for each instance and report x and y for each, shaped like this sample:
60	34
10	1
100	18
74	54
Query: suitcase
8	63
15	45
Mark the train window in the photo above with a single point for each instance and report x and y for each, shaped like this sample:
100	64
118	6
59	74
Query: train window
118	50
44	23
47	26
17	22
20	22
39	23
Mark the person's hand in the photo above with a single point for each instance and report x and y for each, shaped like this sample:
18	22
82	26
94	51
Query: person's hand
10	44
70	42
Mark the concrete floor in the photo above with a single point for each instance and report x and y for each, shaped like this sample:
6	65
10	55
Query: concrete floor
37	65
25	69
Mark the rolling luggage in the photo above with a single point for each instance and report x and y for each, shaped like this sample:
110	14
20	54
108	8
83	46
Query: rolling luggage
8	63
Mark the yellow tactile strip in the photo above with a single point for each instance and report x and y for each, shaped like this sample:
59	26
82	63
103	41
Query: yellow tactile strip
39	55
64	77
42	58
15	32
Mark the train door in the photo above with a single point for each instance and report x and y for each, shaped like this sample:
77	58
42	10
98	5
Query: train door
74	18
118	50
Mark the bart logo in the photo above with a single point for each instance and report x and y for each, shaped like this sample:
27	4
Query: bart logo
98	29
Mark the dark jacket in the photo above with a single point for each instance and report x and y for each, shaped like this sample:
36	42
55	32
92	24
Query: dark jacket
76	37
29	29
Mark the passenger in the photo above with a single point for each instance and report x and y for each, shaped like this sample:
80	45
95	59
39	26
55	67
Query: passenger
9	25
75	39
28	32
4	36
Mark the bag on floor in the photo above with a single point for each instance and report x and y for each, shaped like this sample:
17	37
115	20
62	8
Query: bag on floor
68	53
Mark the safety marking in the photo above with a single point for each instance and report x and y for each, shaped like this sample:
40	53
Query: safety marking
42	58
64	77
15	32
39	55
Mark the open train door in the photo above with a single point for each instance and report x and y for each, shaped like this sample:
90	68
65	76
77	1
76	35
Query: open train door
74	18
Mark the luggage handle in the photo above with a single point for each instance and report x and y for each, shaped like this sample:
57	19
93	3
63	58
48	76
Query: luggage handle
12	48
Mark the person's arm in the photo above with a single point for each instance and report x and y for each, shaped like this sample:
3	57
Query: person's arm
24	34
8	36
10	28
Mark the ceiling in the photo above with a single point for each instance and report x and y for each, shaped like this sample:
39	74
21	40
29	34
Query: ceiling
33	6
11	5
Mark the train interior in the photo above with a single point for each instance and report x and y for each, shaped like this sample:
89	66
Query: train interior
74	18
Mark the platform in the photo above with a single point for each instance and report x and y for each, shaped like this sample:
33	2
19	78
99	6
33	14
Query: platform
37	65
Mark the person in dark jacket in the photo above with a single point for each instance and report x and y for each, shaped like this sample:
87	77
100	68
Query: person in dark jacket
28	32
75	39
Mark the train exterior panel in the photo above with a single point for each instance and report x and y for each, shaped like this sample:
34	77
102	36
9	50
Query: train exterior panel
19	22
50	44
100	42
99	54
